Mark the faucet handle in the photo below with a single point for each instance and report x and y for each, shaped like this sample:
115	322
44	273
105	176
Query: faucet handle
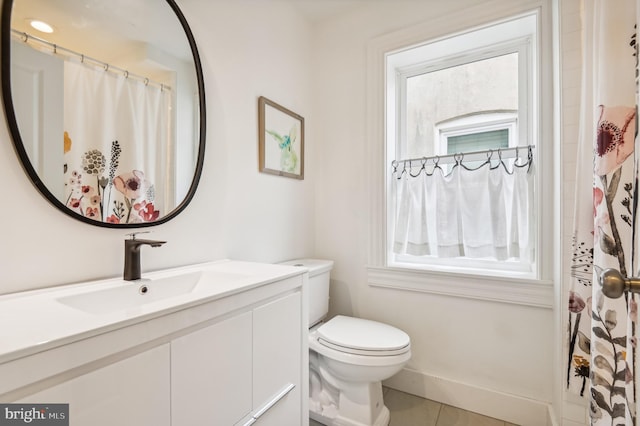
133	234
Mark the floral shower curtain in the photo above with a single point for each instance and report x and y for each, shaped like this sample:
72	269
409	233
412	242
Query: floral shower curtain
601	331
117	145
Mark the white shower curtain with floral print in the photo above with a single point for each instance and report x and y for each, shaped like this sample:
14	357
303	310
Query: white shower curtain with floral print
601	330
117	145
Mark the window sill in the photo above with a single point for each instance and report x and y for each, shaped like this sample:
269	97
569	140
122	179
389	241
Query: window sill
528	292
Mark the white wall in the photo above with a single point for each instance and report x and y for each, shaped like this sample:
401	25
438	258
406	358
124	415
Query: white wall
575	409
237	212
463	350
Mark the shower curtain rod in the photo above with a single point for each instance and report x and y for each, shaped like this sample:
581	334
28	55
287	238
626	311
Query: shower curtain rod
107	67
450	158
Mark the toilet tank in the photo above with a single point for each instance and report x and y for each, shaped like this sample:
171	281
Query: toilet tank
318	290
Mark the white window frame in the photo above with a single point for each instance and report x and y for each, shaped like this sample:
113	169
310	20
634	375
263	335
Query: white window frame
515	35
470	283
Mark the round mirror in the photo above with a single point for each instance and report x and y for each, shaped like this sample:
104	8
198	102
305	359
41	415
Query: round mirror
105	103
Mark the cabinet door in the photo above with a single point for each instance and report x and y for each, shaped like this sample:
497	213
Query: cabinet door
131	392
211	374
277	328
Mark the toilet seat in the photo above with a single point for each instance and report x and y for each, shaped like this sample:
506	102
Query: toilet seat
358	336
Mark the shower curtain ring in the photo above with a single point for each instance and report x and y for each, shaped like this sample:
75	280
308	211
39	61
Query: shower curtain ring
25	37
126	74
489	154
55	49
146	81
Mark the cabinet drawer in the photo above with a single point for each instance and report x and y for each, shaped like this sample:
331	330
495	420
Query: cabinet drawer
211	374
130	392
277	357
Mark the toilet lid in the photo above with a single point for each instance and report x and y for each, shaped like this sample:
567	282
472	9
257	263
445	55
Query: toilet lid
365	337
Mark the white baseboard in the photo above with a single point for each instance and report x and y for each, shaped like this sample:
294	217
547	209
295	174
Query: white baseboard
510	408
552	418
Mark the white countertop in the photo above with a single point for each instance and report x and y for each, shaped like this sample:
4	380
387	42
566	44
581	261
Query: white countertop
36	321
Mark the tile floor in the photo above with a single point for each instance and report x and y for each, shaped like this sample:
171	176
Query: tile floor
410	410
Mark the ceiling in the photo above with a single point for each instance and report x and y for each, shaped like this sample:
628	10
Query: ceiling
110	32
105	29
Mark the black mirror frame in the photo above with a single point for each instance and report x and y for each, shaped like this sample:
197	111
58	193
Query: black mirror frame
7	101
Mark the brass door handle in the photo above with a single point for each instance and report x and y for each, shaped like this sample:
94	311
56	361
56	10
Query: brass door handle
614	284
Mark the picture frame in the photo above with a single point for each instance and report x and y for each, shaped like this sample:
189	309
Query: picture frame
280	140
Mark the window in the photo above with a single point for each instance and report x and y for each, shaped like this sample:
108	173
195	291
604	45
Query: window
468	93
476	141
479	132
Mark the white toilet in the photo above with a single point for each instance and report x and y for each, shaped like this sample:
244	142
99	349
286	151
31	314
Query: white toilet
348	358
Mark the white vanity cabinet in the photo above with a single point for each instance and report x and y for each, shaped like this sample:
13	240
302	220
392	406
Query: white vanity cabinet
238	356
242	370
133	391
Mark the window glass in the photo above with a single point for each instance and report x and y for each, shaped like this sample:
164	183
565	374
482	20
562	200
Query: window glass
434	97
495	140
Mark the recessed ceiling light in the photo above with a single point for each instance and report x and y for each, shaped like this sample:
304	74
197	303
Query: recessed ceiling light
41	26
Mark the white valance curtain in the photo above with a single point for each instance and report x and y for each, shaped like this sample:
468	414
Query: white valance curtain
481	212
117	145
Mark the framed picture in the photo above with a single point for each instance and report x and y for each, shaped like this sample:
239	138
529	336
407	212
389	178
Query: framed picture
281	140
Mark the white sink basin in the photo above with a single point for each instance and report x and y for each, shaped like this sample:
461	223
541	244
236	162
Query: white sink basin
130	295
133	294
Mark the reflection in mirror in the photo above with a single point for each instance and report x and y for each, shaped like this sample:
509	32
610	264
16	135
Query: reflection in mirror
106	108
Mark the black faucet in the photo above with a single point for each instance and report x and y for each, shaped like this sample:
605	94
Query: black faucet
132	256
